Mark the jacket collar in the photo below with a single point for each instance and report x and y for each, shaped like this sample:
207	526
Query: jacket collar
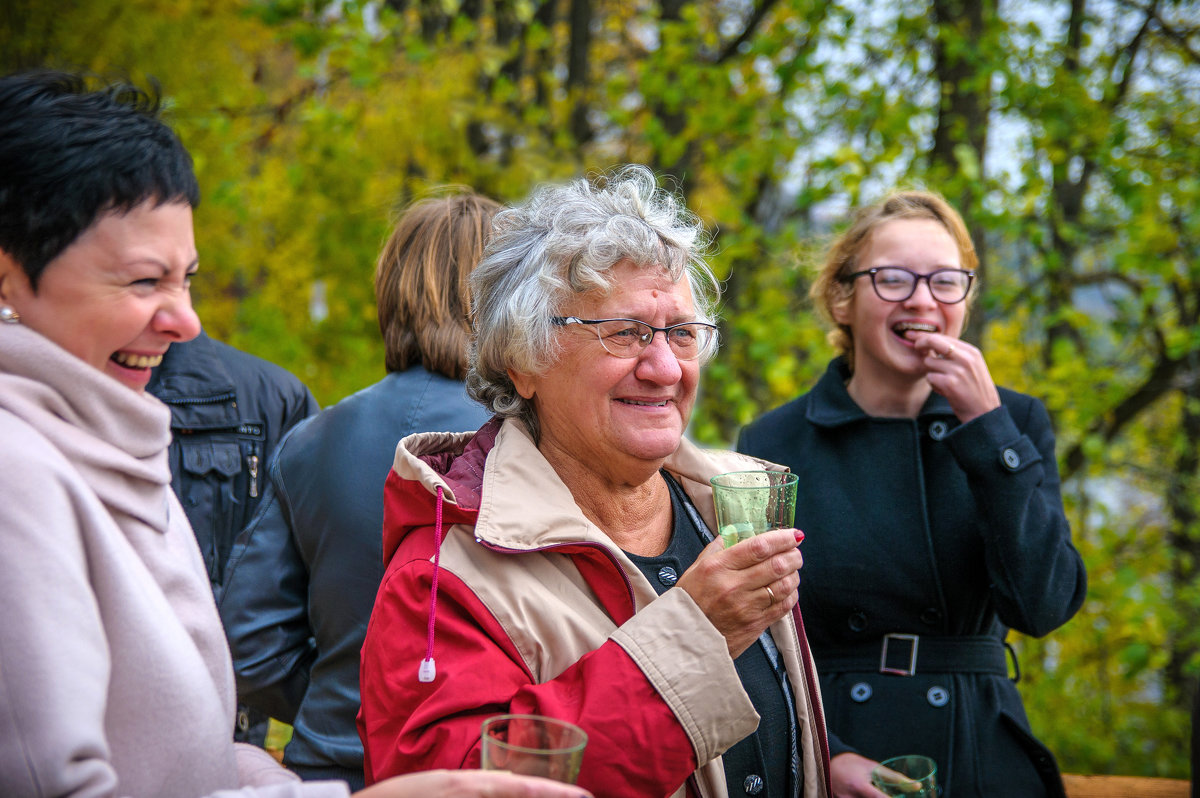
194	380
522	503
830	404
192	370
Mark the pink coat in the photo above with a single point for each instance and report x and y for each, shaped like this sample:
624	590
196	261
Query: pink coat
114	673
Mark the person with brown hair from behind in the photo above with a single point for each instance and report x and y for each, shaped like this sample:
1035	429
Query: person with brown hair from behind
302	576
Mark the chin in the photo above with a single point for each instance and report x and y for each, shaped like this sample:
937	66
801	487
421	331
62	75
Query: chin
134	382
655	447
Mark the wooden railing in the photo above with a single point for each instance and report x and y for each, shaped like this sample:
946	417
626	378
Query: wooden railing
1125	787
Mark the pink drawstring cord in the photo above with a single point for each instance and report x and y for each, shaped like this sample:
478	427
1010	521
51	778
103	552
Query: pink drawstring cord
428	670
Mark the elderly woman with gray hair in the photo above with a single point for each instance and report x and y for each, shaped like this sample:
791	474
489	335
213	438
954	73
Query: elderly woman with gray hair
558	561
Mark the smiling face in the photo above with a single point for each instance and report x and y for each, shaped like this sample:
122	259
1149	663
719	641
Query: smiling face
118	296
617	417
884	357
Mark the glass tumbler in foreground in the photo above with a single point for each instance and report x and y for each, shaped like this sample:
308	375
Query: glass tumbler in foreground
533	745
749	503
912	776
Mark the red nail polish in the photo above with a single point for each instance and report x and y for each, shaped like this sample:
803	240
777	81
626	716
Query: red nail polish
799	536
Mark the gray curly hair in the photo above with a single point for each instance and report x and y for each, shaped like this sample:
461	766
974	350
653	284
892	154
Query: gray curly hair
562	241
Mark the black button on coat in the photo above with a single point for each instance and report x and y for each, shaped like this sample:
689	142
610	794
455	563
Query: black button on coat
960	532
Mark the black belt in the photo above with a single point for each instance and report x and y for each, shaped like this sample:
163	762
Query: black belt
906	655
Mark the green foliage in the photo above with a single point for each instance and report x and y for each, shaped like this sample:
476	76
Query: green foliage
312	122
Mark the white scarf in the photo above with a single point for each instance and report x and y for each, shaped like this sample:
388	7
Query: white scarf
115	437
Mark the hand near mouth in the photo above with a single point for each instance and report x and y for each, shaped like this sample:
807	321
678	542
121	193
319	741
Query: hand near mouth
957	371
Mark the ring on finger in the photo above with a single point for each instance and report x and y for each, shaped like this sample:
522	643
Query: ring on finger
949	352
770	594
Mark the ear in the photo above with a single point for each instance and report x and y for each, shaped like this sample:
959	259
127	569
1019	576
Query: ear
842	312
526	384
12	278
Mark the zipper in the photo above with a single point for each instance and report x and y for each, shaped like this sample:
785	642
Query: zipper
200	400
252	460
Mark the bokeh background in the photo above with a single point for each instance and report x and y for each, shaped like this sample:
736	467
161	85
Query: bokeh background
1066	131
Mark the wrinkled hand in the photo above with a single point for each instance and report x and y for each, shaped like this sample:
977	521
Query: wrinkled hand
729	585
851	777
470	784
957	371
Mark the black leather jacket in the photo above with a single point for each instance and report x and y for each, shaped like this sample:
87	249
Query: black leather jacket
303	575
229	409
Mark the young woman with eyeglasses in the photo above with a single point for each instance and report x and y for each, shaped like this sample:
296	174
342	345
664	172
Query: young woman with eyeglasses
934	521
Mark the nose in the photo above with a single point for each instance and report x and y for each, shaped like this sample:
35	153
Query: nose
922	295
177	319
657	363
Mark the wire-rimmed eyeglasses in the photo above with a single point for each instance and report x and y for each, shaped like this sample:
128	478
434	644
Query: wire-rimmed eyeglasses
630	337
896	283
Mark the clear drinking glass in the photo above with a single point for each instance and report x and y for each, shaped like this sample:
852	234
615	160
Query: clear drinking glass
533	745
912	776
749	503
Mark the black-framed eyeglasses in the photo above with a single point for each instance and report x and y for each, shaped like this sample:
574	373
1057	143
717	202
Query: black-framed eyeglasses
630	337
896	283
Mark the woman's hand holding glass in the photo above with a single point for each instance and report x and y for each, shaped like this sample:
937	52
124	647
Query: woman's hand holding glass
744	589
851	776
957	371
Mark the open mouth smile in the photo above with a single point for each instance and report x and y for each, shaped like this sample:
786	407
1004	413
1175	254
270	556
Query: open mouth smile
902	329
136	361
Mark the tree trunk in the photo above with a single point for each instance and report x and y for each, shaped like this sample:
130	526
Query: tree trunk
578	60
962	121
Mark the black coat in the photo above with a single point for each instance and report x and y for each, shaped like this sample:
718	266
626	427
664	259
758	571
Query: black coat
229	409
950	532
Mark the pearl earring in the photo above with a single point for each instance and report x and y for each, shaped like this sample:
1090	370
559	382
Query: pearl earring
8	315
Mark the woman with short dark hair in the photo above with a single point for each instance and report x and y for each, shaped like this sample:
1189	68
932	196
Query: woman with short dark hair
115	677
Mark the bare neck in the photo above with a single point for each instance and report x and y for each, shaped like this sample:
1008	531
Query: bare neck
902	400
636	514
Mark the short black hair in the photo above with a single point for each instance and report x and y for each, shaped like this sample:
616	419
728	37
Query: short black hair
69	154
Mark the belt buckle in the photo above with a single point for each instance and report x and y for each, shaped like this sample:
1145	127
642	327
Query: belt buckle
912	659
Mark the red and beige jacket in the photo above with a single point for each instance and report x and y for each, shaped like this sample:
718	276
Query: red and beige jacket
500	596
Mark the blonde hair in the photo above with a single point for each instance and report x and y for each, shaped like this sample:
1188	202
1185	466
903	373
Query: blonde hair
831	291
422	287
